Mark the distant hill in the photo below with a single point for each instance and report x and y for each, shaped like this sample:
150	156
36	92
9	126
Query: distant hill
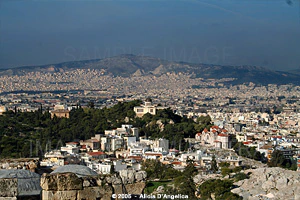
295	71
129	65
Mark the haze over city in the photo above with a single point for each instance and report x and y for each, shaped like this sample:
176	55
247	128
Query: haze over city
228	32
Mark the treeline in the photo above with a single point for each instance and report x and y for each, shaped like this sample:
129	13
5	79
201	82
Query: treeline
30	134
278	160
181	182
249	152
277	157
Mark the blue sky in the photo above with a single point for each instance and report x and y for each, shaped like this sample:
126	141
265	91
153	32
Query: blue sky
228	32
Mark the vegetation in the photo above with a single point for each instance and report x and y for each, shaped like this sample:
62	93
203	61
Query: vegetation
174	181
249	152
227	170
278	160
241	176
31	134
214	167
184	184
220	189
153	185
156	170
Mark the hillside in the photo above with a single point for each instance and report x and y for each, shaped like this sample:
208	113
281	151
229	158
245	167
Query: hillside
295	71
128	64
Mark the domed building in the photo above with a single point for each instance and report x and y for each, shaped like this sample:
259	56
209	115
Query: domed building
141	110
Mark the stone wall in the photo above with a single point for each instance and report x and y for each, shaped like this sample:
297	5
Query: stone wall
70	186
19	184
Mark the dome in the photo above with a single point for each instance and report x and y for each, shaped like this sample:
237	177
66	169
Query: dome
79	170
28	182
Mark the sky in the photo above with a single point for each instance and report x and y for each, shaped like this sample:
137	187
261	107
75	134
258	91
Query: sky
226	32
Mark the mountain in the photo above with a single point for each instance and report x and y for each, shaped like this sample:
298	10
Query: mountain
132	65
295	71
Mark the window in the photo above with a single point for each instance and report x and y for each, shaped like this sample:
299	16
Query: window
140	110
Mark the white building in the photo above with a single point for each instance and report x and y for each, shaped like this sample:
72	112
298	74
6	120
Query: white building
105	167
146	108
53	158
71	148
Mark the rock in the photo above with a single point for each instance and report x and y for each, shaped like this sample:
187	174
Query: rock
119	189
269	183
127	176
47	194
61	182
8	187
59	195
65	195
89	181
116	180
8	198
108	179
136	188
28	183
32	166
92	193
140	176
199	179
160	189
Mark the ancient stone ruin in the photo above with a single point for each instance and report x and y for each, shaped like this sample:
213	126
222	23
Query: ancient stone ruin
19	184
73	182
78	182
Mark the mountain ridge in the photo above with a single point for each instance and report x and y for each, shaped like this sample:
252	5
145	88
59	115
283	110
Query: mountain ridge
127	65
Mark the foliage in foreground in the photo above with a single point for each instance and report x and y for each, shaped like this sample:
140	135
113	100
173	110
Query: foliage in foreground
220	189
180	182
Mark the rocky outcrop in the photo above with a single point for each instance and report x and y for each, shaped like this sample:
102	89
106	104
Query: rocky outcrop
68	185
199	179
61	182
269	183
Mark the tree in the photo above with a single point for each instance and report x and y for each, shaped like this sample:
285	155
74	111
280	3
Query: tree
277	159
219	188
214	166
112	169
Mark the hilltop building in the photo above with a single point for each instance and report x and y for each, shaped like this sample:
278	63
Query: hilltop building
141	110
60	111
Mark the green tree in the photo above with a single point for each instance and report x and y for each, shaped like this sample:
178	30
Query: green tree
219	188
214	166
277	159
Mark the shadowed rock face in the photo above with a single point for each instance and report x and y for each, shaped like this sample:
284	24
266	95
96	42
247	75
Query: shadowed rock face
18	182
273	183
